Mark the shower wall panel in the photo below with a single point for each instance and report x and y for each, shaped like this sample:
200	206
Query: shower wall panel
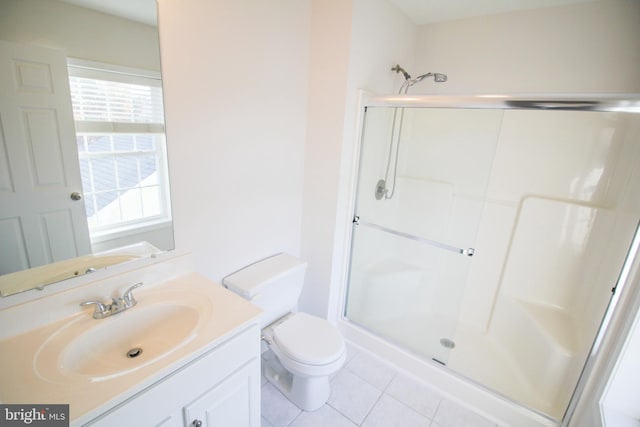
560	213
571	157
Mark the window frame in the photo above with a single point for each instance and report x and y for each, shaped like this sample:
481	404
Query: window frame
102	71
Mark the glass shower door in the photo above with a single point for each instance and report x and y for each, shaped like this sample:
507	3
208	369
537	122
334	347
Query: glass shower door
422	181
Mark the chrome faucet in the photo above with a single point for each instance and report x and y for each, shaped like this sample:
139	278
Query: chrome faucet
117	305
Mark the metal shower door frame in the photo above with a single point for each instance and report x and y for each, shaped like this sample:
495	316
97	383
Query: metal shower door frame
624	300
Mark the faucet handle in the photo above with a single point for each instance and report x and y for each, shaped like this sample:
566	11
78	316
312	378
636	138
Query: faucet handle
101	308
128	298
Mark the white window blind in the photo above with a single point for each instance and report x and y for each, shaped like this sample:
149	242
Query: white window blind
109	101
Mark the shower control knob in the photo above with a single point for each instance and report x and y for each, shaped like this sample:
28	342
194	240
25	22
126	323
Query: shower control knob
196	423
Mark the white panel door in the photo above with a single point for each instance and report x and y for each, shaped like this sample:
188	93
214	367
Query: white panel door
39	170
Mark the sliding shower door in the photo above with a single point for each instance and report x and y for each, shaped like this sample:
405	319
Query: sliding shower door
490	239
421	192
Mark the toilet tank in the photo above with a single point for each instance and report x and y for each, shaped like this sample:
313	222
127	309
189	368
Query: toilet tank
273	284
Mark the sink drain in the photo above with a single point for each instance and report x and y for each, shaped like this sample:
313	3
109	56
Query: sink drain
134	352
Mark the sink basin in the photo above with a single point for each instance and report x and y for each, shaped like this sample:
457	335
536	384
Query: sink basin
107	348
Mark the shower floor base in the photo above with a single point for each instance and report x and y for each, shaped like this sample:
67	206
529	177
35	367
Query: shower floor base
485	399
482	359
474	355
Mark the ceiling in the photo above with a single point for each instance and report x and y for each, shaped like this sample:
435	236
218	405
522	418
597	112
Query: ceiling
419	11
143	11
429	11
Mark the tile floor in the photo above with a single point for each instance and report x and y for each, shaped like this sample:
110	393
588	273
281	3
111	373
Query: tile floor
367	392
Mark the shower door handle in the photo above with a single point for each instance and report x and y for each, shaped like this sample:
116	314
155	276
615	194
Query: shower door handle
468	252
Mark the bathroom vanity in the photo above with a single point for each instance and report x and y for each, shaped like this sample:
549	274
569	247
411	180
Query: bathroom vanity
218	388
187	354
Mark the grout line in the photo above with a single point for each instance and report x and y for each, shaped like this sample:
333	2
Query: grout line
395	375
377	360
344	415
411	409
433	419
295	418
372	408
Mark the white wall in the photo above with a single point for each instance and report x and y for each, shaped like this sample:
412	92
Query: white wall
235	83
80	33
328	70
586	47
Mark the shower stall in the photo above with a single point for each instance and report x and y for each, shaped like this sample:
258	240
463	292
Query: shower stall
489	234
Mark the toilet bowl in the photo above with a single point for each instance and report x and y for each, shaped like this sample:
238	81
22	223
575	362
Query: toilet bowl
303	350
306	350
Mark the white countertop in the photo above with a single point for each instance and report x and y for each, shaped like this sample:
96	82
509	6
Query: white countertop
21	381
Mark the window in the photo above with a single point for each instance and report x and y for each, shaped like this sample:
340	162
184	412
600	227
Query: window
121	147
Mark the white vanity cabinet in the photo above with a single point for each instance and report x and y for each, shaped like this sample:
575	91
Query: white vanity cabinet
219	388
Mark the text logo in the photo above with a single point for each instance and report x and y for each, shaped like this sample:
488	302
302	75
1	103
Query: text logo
34	415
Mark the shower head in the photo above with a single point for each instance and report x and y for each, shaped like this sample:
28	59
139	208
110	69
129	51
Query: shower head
437	77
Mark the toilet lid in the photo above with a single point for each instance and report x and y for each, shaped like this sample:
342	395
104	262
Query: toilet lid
309	339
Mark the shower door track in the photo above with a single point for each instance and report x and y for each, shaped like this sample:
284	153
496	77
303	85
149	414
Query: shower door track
434	243
625	102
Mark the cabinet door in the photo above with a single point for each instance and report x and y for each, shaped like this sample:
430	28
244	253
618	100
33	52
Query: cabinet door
233	402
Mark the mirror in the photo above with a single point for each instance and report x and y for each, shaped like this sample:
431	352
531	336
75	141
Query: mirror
88	191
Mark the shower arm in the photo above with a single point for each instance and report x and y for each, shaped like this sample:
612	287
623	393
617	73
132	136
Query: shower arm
398	69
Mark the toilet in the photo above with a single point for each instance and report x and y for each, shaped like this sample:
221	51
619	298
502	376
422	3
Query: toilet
305	350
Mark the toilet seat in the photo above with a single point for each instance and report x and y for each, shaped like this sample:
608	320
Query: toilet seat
309	340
